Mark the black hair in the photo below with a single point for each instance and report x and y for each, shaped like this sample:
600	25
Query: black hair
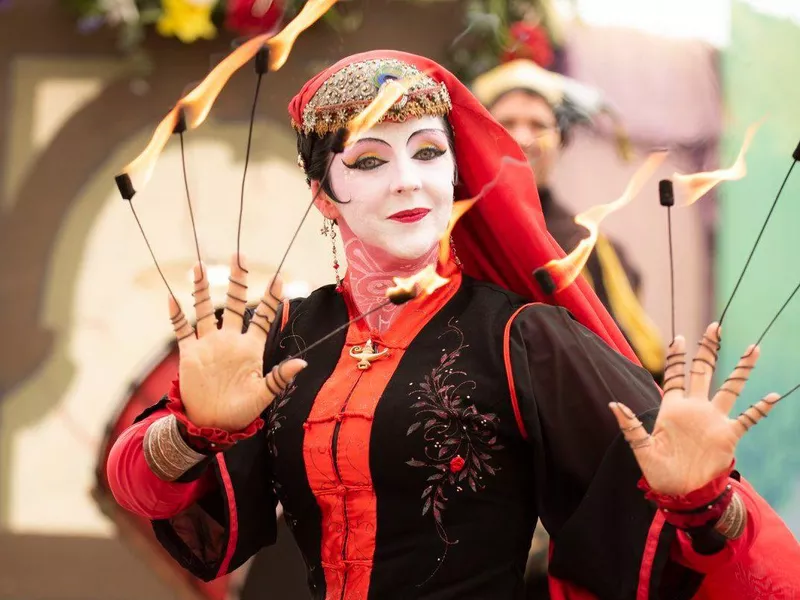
315	151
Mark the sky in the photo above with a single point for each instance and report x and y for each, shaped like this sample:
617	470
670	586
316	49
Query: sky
708	20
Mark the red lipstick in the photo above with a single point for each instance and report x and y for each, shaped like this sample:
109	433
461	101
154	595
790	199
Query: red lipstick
410	216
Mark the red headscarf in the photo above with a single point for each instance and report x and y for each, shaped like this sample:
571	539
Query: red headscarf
503	238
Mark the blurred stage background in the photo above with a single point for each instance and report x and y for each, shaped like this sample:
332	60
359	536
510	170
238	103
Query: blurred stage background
85	341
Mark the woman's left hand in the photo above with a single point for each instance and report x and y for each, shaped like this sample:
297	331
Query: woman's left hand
693	439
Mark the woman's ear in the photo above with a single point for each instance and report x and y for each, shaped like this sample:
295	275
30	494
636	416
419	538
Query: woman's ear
323	203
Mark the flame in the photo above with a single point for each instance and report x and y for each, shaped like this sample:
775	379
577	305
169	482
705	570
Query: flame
141	168
459	209
566	270
421	283
690	188
201	98
196	105
389	93
281	45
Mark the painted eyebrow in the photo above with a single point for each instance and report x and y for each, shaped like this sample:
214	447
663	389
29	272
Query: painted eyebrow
385	143
421	131
371	139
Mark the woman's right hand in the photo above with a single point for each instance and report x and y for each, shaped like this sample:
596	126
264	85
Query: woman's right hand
221	379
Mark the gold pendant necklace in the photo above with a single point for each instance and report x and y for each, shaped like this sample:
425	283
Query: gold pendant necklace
366	354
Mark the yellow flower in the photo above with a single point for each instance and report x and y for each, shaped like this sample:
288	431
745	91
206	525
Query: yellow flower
187	20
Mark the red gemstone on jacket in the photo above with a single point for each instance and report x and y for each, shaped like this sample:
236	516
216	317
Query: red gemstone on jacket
456	464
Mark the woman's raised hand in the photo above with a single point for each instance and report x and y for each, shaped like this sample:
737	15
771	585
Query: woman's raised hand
221	368
694	438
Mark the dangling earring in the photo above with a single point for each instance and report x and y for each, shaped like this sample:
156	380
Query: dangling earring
326	231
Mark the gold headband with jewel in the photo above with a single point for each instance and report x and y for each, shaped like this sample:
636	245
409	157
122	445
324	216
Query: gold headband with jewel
348	91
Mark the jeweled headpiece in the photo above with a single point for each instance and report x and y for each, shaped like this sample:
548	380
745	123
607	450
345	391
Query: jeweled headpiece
348	91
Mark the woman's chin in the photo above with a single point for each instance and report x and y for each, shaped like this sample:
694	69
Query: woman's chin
411	252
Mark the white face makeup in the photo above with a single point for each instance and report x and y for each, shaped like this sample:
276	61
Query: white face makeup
396	186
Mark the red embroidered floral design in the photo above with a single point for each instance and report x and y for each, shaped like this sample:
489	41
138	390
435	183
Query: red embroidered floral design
456	464
458	438
274	417
273	420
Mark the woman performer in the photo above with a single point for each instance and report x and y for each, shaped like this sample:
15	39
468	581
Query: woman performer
413	451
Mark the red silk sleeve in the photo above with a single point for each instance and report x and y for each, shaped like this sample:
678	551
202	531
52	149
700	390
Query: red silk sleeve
683	552
137	489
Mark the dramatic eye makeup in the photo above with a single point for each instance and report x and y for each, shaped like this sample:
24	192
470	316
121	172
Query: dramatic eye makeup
365	162
432	143
429	152
425	144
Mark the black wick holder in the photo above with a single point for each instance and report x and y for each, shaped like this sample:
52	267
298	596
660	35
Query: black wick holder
125	186
180	124
545	280
666	193
262	61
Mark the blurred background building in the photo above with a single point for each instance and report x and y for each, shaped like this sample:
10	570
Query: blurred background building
85	342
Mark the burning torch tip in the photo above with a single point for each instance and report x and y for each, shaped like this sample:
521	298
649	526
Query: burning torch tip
262	60
180	122
125	186
666	193
399	297
545	280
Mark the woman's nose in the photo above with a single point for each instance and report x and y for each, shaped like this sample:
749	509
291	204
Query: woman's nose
407	178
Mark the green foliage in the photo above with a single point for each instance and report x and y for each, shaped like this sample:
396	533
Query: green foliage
486	34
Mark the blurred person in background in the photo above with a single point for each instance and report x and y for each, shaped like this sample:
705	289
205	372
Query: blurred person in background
539	108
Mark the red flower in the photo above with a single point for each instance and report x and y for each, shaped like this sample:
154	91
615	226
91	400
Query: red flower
529	41
456	464
254	16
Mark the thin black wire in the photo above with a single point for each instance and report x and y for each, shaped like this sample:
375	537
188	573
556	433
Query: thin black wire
671	269
152	254
244	174
297	230
778	314
755	245
189	202
338	329
790	392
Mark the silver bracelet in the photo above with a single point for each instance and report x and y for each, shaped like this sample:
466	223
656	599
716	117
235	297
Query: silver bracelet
166	452
733	521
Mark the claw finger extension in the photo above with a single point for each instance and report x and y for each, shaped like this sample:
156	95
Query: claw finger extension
704	362
753	414
675	367
272	385
727	394
180	325
276	380
632	429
